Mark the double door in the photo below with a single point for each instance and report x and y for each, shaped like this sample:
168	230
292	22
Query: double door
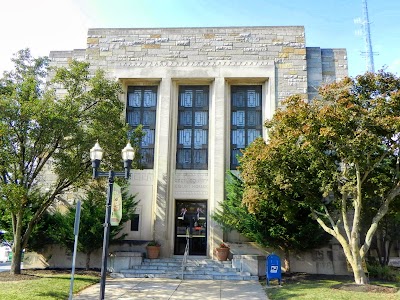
191	227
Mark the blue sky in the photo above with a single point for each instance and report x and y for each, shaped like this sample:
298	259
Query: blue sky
46	25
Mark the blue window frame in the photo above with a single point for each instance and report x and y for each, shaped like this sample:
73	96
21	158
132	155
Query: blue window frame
246	119
192	139
141	110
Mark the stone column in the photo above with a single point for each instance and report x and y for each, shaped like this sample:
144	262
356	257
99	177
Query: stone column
218	137
161	196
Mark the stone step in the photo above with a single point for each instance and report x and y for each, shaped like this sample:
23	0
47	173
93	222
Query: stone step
202	269
178	275
178	262
188	268
200	273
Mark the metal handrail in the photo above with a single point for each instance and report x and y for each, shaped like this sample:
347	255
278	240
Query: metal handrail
186	253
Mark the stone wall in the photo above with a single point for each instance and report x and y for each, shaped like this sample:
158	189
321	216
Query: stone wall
324	66
299	69
282	47
324	260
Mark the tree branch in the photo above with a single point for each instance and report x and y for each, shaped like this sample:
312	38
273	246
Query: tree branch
373	167
344	215
379	215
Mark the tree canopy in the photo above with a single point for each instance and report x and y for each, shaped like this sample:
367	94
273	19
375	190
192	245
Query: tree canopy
47	127
58	227
338	156
290	229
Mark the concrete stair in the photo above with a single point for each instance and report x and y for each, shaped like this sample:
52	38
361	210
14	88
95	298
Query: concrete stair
199	269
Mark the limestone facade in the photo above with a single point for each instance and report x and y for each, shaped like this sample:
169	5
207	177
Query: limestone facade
275	59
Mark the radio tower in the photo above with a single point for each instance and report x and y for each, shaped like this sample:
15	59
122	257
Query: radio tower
369	54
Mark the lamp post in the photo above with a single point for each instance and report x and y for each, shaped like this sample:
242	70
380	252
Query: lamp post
96	154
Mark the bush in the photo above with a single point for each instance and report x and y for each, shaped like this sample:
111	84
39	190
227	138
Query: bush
383	272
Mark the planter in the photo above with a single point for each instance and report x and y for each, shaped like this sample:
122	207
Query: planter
222	253
153	251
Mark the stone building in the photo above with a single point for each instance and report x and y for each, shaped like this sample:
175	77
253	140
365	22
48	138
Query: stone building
202	94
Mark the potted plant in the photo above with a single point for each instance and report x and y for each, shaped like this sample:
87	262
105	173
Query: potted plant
153	249
222	252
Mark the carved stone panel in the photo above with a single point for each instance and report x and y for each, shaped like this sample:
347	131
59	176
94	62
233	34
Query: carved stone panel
191	184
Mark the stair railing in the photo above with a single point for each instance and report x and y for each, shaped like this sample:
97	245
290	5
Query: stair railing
186	253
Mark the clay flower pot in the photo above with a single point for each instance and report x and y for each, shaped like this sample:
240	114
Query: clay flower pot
153	250
222	252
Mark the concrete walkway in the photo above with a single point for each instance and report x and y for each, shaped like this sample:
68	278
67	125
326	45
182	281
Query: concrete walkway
173	289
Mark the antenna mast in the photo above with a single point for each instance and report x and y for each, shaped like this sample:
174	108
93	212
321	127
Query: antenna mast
367	37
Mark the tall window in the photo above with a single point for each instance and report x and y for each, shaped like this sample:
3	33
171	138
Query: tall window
141	109
246	116
192	148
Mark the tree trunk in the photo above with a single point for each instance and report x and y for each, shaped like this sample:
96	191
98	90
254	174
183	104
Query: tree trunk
379	247
88	260
351	249
286	263
17	247
388	249
16	259
359	275
356	263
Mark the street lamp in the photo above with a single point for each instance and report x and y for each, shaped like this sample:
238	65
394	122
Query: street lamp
96	154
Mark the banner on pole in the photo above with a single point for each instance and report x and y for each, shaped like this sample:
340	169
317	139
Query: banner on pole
116	205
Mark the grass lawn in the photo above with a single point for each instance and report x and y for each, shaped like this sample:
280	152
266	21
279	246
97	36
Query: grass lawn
43	286
331	289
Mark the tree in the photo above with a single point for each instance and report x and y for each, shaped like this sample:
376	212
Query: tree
272	225
58	227
387	233
43	131
334	156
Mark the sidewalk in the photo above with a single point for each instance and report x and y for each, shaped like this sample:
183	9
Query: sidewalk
173	289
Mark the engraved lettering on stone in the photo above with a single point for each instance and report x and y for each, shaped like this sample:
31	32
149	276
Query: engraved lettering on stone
318	255
161	40
213	62
117	40
255	49
143	178
244	35
327	266
128	57
223	48
104	49
191	184
137	42
219	58
207	49
183	43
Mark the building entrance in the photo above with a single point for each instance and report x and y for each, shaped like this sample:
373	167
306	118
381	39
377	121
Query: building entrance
191	227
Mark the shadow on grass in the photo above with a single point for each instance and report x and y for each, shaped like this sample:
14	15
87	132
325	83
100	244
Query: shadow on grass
297	285
293	290
55	295
309	286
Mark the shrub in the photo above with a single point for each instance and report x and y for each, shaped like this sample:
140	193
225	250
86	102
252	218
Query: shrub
383	272
153	243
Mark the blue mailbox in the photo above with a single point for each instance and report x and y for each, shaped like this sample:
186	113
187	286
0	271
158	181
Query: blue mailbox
273	268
